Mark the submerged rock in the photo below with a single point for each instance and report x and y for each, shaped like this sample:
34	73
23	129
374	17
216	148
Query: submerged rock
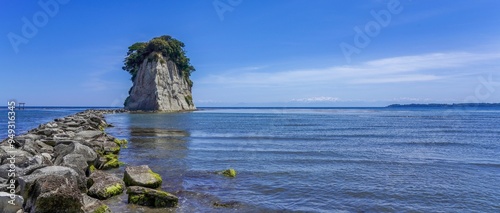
103	185
151	197
141	176
229	173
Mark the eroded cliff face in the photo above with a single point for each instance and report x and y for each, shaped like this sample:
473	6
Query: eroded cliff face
160	86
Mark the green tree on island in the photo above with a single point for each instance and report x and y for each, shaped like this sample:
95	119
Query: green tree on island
165	45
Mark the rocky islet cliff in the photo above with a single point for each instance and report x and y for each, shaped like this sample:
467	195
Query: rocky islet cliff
159	85
161	74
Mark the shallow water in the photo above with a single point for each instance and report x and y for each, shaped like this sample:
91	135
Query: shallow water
319	160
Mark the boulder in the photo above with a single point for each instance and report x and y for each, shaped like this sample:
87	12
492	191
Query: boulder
47	156
10	203
53	194
111	147
75	161
103	185
151	197
5	169
141	176
92	205
62	150
21	159
88	134
26	182
37	147
30	169
108	161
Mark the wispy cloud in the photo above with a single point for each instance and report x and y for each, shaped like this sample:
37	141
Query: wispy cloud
98	77
415	68
316	99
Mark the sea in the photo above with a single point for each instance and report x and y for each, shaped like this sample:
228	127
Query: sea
421	159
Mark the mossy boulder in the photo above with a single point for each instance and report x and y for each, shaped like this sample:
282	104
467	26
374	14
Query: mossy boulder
92	205
229	173
151	197
111	147
141	176
103	185
108	161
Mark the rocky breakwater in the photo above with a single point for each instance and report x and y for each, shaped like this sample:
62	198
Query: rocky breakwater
61	167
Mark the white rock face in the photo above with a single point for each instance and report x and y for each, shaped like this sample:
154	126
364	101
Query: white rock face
159	86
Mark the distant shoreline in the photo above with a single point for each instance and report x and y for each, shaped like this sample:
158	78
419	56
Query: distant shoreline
454	105
413	105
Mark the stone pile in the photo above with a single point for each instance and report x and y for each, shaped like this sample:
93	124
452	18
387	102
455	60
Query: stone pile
60	167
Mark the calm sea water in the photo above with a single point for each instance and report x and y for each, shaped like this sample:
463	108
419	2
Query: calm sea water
322	160
319	160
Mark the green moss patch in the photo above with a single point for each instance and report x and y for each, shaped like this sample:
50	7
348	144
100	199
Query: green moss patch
157	183
122	143
102	209
113	190
229	173
113	163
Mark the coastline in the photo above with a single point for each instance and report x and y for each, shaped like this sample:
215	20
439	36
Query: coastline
61	166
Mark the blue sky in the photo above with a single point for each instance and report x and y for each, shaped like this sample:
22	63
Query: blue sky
257	53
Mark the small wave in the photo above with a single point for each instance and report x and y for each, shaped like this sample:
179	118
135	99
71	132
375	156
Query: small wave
494	165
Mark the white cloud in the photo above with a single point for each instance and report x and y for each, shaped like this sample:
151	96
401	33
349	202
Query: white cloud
413	68
397	79
316	99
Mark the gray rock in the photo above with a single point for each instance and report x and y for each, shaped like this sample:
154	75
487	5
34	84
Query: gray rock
51	125
111	147
88	134
19	157
75	161
26	182
49	132
49	142
62	150
54	193
141	176
72	124
37	147
89	154
47	156
160	86
10	203
4	170
103	185
150	197
92	205
30	169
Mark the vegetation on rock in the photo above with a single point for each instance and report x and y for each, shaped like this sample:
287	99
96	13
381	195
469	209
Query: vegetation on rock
156	49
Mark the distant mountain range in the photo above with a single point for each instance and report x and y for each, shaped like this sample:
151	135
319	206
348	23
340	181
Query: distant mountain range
446	105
